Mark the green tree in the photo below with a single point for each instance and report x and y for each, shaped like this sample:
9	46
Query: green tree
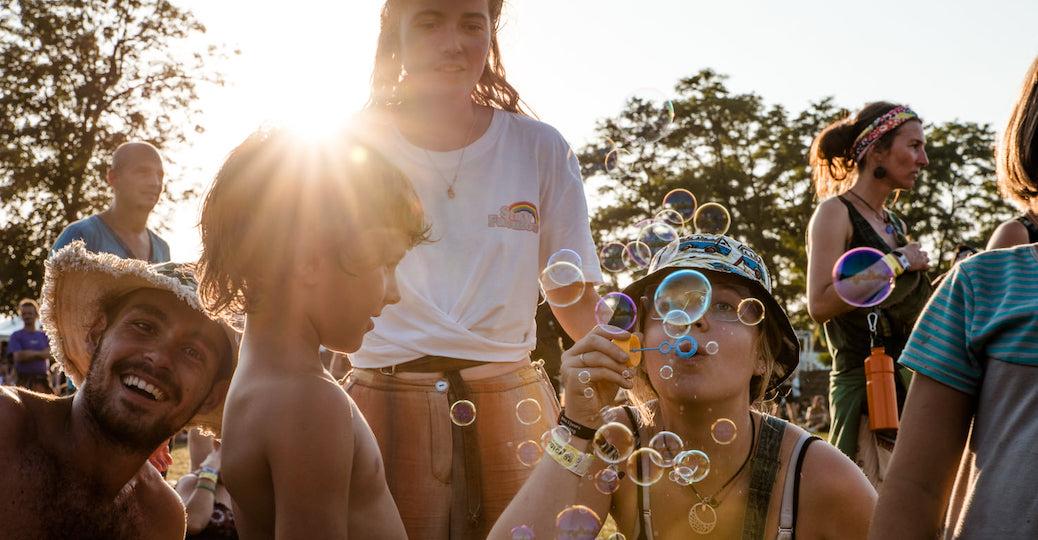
78	78
752	158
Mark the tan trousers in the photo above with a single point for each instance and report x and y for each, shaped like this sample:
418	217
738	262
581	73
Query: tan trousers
873	454
411	421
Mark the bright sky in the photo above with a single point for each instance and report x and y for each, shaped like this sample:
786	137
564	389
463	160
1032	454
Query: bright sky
574	61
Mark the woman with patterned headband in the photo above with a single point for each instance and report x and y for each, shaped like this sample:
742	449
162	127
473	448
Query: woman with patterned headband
856	163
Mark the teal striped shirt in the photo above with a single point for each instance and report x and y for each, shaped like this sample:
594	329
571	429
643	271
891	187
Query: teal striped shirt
987	310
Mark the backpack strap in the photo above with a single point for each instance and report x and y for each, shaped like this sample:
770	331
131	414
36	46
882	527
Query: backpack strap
791	488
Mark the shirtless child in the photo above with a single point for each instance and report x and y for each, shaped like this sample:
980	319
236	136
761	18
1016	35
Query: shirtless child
304	241
76	467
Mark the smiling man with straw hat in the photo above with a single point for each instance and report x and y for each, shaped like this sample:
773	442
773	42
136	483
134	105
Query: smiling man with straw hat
148	362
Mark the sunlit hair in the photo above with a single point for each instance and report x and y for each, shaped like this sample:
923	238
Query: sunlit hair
1017	156
278	199
769	339
834	167
28	302
492	89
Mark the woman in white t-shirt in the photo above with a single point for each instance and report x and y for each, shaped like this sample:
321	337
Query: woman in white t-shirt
502	193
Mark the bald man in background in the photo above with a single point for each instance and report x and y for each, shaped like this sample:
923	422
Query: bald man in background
135	176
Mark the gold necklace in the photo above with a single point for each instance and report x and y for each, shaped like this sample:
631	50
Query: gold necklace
457	169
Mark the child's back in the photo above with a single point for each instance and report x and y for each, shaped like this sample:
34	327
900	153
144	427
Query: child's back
297	434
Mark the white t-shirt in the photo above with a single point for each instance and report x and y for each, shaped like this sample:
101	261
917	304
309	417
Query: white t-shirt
472	293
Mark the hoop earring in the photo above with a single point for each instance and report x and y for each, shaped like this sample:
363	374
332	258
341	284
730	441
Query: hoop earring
880	172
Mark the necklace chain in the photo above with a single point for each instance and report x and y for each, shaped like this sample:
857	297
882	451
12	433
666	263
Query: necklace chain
712	500
882	216
461	158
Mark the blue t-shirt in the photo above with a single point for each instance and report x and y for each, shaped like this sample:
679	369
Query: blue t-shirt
23	340
99	238
986	311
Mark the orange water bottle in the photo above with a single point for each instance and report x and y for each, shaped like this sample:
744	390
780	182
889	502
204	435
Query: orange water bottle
881	391
880	388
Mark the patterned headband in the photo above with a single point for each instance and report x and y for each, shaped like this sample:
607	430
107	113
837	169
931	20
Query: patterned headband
880	127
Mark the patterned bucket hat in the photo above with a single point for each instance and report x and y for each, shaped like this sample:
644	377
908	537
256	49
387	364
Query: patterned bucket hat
76	287
718	253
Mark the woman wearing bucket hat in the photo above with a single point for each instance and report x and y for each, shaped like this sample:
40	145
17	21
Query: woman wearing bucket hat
148	362
733	471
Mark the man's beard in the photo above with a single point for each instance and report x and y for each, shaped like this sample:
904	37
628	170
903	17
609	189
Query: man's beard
132	433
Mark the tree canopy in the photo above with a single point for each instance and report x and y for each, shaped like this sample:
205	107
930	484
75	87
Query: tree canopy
78	78
752	157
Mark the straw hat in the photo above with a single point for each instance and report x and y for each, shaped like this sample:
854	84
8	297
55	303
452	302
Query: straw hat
77	286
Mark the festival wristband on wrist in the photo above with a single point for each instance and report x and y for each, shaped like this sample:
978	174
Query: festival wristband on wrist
570	458
208	473
578	430
897	262
206	484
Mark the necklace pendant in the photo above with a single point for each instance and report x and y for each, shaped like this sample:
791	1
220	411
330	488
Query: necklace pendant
890	228
450	192
702	518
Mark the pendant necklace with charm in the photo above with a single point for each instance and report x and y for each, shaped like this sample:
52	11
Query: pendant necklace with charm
883	216
702	517
457	169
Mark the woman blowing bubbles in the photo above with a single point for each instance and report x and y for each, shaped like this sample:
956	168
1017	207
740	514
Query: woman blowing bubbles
693	393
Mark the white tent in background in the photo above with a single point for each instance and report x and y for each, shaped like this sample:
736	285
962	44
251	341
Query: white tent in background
8	325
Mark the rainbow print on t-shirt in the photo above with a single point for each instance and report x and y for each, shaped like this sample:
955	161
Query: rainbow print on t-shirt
519	216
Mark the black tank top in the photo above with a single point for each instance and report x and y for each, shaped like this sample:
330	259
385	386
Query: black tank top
848	333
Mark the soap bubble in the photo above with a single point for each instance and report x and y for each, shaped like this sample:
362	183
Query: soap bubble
563	284
683	202
751	311
613	442
566	255
685	290
529	453
528	411
651	469
606	481
463	412
668	444
723	431
692	465
577	522
712	218
616	309
862	278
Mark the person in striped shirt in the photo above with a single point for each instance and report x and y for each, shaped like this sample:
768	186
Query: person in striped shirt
975	354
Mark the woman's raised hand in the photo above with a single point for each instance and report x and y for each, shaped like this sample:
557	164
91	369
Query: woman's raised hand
597	363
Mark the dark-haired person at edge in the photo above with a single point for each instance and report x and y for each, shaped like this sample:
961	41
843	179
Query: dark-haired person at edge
30	349
1010	162
503	192
857	163
965	454
136	177
148	363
